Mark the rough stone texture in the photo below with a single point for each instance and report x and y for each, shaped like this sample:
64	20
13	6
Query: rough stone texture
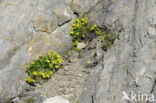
32	27
56	99
81	45
29	28
69	81
130	65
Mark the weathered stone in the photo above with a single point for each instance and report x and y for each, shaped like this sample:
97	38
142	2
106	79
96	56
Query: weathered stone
15	100
83	6
28	29
45	22
130	64
81	45
56	99
32	27
63	12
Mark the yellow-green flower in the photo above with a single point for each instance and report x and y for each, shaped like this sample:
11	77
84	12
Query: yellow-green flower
28	66
50	72
43	75
48	61
48	76
72	32
29	80
56	66
40	73
83	35
34	73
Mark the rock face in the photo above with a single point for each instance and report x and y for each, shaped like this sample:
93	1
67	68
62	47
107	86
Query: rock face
130	65
29	28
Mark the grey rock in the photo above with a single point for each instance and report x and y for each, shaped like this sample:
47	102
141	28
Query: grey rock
90	84
81	45
66	68
63	12
46	23
56	99
29	29
15	100
129	65
83	6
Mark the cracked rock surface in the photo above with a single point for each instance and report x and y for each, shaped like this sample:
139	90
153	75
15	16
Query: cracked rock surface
29	28
130	65
69	81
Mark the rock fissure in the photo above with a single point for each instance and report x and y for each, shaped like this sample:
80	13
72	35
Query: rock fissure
66	22
88	78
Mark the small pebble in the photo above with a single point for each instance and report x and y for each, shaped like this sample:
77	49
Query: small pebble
15	100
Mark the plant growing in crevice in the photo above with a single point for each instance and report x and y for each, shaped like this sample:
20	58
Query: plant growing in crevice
43	67
80	29
109	39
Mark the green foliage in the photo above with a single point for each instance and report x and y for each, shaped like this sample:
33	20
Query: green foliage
76	49
106	44
96	30
109	39
111	36
44	67
30	100
102	37
79	29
